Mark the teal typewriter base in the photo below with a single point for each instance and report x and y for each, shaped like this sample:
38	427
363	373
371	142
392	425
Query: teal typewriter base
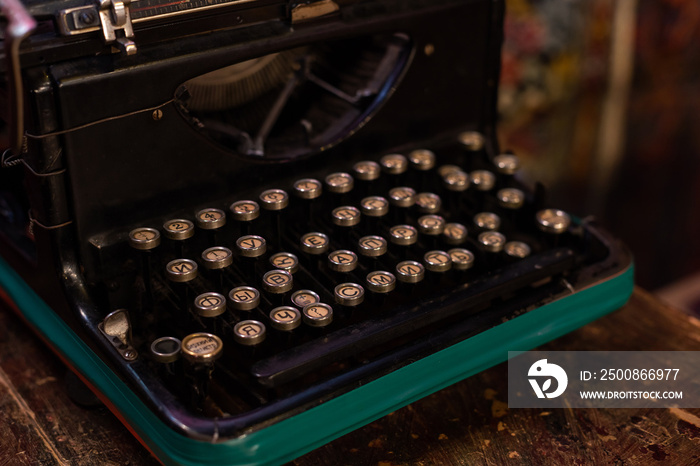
336	417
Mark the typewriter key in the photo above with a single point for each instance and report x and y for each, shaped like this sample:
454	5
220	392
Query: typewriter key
455	233
144	238
444	170
285	318
178	229
314	243
181	270
471	140
422	159
210	304
317	315
349	294
342	261
456	181
201	348
553	221
244	298
403	235
339	182
483	180
277	281
380	281
428	203
251	246
285	261
394	164
302	298
245	211
345	216
366	170
462	259
402	196
274	199
372	246
510	198
249	332
517	249
217	257
308	188
410	271
374	206
437	261
487	221
166	350
210	219
492	241
431	224
506	164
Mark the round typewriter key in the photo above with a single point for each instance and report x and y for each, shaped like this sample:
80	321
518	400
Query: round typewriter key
144	238
277	281
349	294
285	318
492	241
428	203
483	180
308	188
244	298
510	198
487	221
366	170
462	259
210	304
339	182
285	261
471	140
506	164
431	224
410	271
374	206
553	221
394	164
443	170
314	243
380	281
456	181
178	229
402	196
455	233
422	159
199	348
317	315
181	270
249	332
517	249
437	261
251	246
217	257
302	298
166	349
245	211
274	199
210	219
346	216
403	235
342	261
372	246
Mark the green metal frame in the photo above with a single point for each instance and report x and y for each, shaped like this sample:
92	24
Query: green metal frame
295	436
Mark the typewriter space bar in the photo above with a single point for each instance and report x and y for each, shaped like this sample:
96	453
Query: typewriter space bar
352	340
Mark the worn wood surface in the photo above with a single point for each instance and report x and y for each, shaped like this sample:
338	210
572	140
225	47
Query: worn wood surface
467	423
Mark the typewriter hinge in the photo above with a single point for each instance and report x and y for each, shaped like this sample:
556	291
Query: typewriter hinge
116	24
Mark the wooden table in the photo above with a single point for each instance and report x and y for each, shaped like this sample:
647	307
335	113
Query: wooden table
467	423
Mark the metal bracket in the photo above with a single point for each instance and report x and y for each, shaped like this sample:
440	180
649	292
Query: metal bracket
113	17
116	328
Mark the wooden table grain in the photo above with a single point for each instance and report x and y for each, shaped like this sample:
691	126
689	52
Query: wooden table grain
467	423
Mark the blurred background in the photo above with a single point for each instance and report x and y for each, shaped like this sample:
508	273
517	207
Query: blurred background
601	99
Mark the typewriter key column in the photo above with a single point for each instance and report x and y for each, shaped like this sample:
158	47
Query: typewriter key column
554	223
402	198
166	351
374	208
317	315
437	263
492	243
372	247
395	166
380	283
516	250
285	261
511	200
275	201
345	220
340	263
145	240
473	143
249	334
487	221
308	190
402	237
366	173
251	248
212	221
244	213
409	273
462	260
217	261
276	283
314	244
179	231
200	351
431	226
209	306
339	185
507	165
244	298
302	298
422	161
349	296
181	272
285	319
456	182
482	181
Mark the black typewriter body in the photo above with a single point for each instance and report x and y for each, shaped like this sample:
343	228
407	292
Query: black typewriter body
127	142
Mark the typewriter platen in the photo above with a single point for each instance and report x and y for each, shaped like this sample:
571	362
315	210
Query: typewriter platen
253	226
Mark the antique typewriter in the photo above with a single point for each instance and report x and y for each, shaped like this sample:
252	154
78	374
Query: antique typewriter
252	226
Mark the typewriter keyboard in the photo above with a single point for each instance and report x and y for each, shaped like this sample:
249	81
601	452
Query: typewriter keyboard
322	282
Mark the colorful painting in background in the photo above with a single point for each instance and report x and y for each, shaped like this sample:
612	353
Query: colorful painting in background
621	144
